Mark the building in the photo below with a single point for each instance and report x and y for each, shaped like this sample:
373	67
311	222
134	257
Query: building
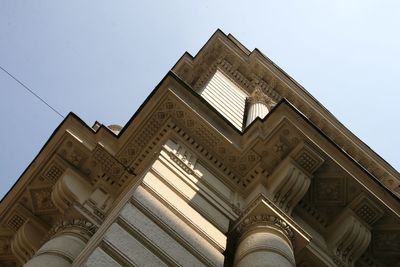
229	162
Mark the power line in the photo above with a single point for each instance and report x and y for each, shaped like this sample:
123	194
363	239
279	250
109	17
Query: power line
30	91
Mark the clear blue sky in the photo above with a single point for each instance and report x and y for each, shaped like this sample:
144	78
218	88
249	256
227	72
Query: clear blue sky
100	59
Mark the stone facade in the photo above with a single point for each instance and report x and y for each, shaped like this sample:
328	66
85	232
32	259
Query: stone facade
189	182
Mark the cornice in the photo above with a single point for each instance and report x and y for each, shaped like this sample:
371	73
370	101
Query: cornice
109	161
249	67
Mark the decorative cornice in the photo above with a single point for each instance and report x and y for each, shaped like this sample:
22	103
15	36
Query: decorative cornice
254	65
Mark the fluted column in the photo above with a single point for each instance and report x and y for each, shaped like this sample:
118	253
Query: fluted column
265	240
259	105
68	238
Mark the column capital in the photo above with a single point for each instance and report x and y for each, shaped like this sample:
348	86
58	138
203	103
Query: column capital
263	213
78	227
65	241
266	220
266	236
258	96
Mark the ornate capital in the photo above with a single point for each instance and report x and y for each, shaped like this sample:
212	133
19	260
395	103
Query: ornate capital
79	227
265	220
258	96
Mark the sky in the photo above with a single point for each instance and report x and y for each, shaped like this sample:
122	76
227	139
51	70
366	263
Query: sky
101	59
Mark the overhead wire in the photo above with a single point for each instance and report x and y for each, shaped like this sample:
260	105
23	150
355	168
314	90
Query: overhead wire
31	91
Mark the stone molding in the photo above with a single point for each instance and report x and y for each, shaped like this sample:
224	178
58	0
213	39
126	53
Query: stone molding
184	158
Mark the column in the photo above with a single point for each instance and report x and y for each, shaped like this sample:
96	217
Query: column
67	240
69	236
265	240
259	105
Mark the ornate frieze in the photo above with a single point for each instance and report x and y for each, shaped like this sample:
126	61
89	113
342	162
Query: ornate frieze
251	69
211	145
329	191
184	158
5	245
53	172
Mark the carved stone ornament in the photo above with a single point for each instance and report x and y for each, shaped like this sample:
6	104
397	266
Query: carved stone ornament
81	227
258	96
268	221
349	238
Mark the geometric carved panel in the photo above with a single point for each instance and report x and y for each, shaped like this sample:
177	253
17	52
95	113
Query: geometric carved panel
329	190
307	158
53	172
366	209
41	199
16	221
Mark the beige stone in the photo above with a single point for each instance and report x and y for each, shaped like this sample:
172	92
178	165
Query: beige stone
229	162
